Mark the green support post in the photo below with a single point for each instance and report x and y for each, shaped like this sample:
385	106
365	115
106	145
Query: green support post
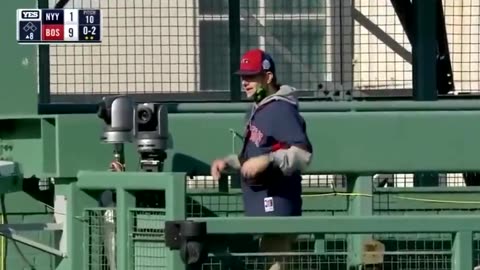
43	67
77	201
319	244
125	201
44	74
63	188
176	210
424	66
234	35
18	71
129	250
463	250
360	204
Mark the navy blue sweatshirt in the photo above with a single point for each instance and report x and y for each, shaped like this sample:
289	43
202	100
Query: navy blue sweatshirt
275	129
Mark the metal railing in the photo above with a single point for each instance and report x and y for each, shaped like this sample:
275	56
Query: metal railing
126	236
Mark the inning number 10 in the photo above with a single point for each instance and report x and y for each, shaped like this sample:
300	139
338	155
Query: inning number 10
89	19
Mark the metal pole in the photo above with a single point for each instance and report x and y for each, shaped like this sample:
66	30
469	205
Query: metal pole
234	34
43	67
424	52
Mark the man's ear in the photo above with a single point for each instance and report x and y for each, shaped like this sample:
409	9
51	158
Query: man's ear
269	77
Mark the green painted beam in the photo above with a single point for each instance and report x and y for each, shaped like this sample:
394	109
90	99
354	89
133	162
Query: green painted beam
127	180
442	139
383	203
341	224
346	142
339	106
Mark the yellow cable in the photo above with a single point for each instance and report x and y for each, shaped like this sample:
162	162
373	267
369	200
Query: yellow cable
437	201
338	194
399	197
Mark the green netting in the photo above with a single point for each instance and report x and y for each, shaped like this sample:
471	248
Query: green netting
339	252
327	195
100	238
146	239
183	47
476	249
145	236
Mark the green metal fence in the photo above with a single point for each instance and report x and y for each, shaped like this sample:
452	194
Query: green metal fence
188	49
400	252
132	237
331	236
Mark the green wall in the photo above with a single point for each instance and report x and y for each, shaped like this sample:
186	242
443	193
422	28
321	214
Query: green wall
18	90
18	68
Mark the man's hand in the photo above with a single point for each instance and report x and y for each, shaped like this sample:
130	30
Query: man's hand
217	167
254	166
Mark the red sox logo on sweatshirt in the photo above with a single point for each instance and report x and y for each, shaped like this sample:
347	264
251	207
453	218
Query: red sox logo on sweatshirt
256	135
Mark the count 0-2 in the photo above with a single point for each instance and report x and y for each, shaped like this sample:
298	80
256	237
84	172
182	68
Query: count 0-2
86	31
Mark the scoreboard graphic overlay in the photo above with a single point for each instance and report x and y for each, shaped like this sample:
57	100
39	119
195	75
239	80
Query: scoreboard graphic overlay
43	26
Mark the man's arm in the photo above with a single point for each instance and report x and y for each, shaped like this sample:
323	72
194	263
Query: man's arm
291	159
233	161
288	129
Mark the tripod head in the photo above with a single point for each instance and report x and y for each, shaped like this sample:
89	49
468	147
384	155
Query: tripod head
151	135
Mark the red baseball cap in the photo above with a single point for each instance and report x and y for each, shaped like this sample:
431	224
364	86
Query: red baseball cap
255	61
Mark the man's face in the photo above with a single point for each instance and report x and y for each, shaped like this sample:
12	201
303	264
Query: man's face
251	83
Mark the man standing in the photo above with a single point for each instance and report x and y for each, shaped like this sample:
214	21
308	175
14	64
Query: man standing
276	148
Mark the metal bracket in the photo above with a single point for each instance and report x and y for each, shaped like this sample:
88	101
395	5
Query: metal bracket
333	92
10	179
188	237
179	231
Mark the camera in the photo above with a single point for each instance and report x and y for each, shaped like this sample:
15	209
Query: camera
117	113
151	135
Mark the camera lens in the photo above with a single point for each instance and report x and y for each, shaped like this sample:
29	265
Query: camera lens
103	113
144	115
